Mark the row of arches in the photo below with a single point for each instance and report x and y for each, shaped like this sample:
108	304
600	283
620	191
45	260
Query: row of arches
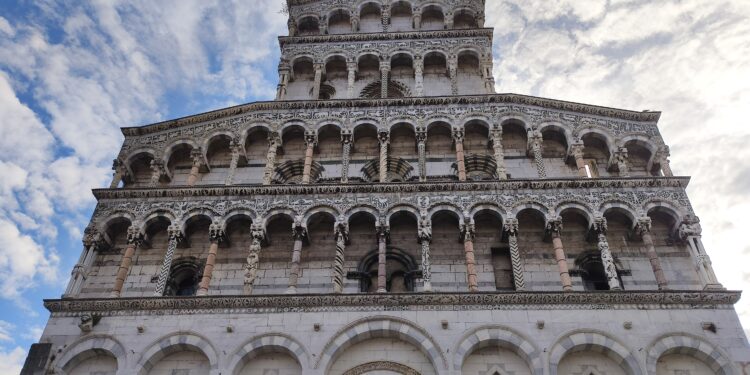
590	351
246	157
372	17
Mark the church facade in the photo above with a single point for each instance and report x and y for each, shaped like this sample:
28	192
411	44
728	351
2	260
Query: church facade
390	213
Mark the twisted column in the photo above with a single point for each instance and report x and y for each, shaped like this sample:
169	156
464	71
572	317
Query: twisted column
135	240
497	147
157	170
600	228
175	236
621	158
536	142
386	16
253	257
284	73
382	232
298	232
216	235
511	227
236	149
341	232
197	156
425	237
119	172
690	231
576	150
422	151
310	141
467	236
384	138
274	141
351	68
418	76
453	73
318	77
385	70
643	229
458	138
346	143
554	227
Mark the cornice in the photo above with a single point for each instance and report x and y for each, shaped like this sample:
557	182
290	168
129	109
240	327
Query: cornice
333	302
646	116
406	187
403	35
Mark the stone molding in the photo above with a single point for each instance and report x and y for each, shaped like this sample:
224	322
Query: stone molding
402	35
382	366
431	301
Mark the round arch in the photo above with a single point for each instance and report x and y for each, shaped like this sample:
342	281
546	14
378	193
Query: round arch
236	214
365	209
497	335
690	345
152	216
191	215
580	207
446	207
409	209
117	216
169	150
320	210
601	135
619	206
595	341
513	117
270	342
488	206
131	156
213	136
89	347
534	206
184	341
276	212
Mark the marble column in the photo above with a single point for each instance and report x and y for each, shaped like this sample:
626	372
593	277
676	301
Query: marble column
662	157
197	156
135	240
643	229
536	143
382	232
453	74
92	240
351	68
621	158
341	233
489	80
690	231
511	228
385	70
175	236
448	20
600	229
458	138
292	26
258	234
284	74
576	150
310	141
236	149
274	141
119	172
416	17
346	144
467	236
318	78
215	236
424	236
298	232
422	152
157	171
384	138
355	22
497	147
386	16
554	227
418	75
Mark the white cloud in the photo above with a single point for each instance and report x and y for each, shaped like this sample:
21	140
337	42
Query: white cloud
33	333
11	362
5	331
22	260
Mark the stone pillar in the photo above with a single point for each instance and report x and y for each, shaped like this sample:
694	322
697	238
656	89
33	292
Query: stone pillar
418	75
91	242
355	22
215	236
416	18
253	257
323	24
576	149
351	68
292	26
662	157
135	239
119	172
480	19
536	142
318	77
621	158
511	227
467	236
274	141
385	70
449	20
489	80
382	232
341	232
298	232
497	147
600	229
690	231
453	73
384	138
643	229
422	152
236	149
554	226
458	138
175	236
197	155
310	141
386	16
346	142
425	237
157	170
284	74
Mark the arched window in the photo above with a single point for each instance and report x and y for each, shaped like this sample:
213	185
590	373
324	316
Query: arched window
401	272
592	272
184	278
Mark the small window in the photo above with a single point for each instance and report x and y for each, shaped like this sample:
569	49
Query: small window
184	278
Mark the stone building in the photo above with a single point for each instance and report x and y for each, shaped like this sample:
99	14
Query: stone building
390	213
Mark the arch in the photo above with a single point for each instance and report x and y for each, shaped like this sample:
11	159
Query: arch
477	119
292	125
411	210
690	345
328	123
535	206
138	152
366	209
642	140
595	341
364	3
381	326
117	216
488	206
195	213
365	123
439	121
177	143
238	213
446	207
497	335
269	342
514	117
210	138
402	121
381	366
579	207
320	210
677	213
91	346
152	216
557	127
601	135
181	341
619	206
279	211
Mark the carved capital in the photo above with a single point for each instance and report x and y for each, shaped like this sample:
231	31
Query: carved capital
599	226
424	232
311	138
216	232
690	227
257	232
511	226
383	231
197	155
421	134
274	139
384	136
299	231
174	233
346	136
554	225
643	225
92	237
468	231
576	150
341	228
135	236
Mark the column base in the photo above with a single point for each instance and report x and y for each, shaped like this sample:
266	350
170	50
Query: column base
202	293
714	287
381	291
291	290
114	295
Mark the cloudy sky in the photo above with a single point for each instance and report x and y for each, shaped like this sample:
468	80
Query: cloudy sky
71	75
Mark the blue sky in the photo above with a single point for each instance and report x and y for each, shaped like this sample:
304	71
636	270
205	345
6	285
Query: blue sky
72	73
